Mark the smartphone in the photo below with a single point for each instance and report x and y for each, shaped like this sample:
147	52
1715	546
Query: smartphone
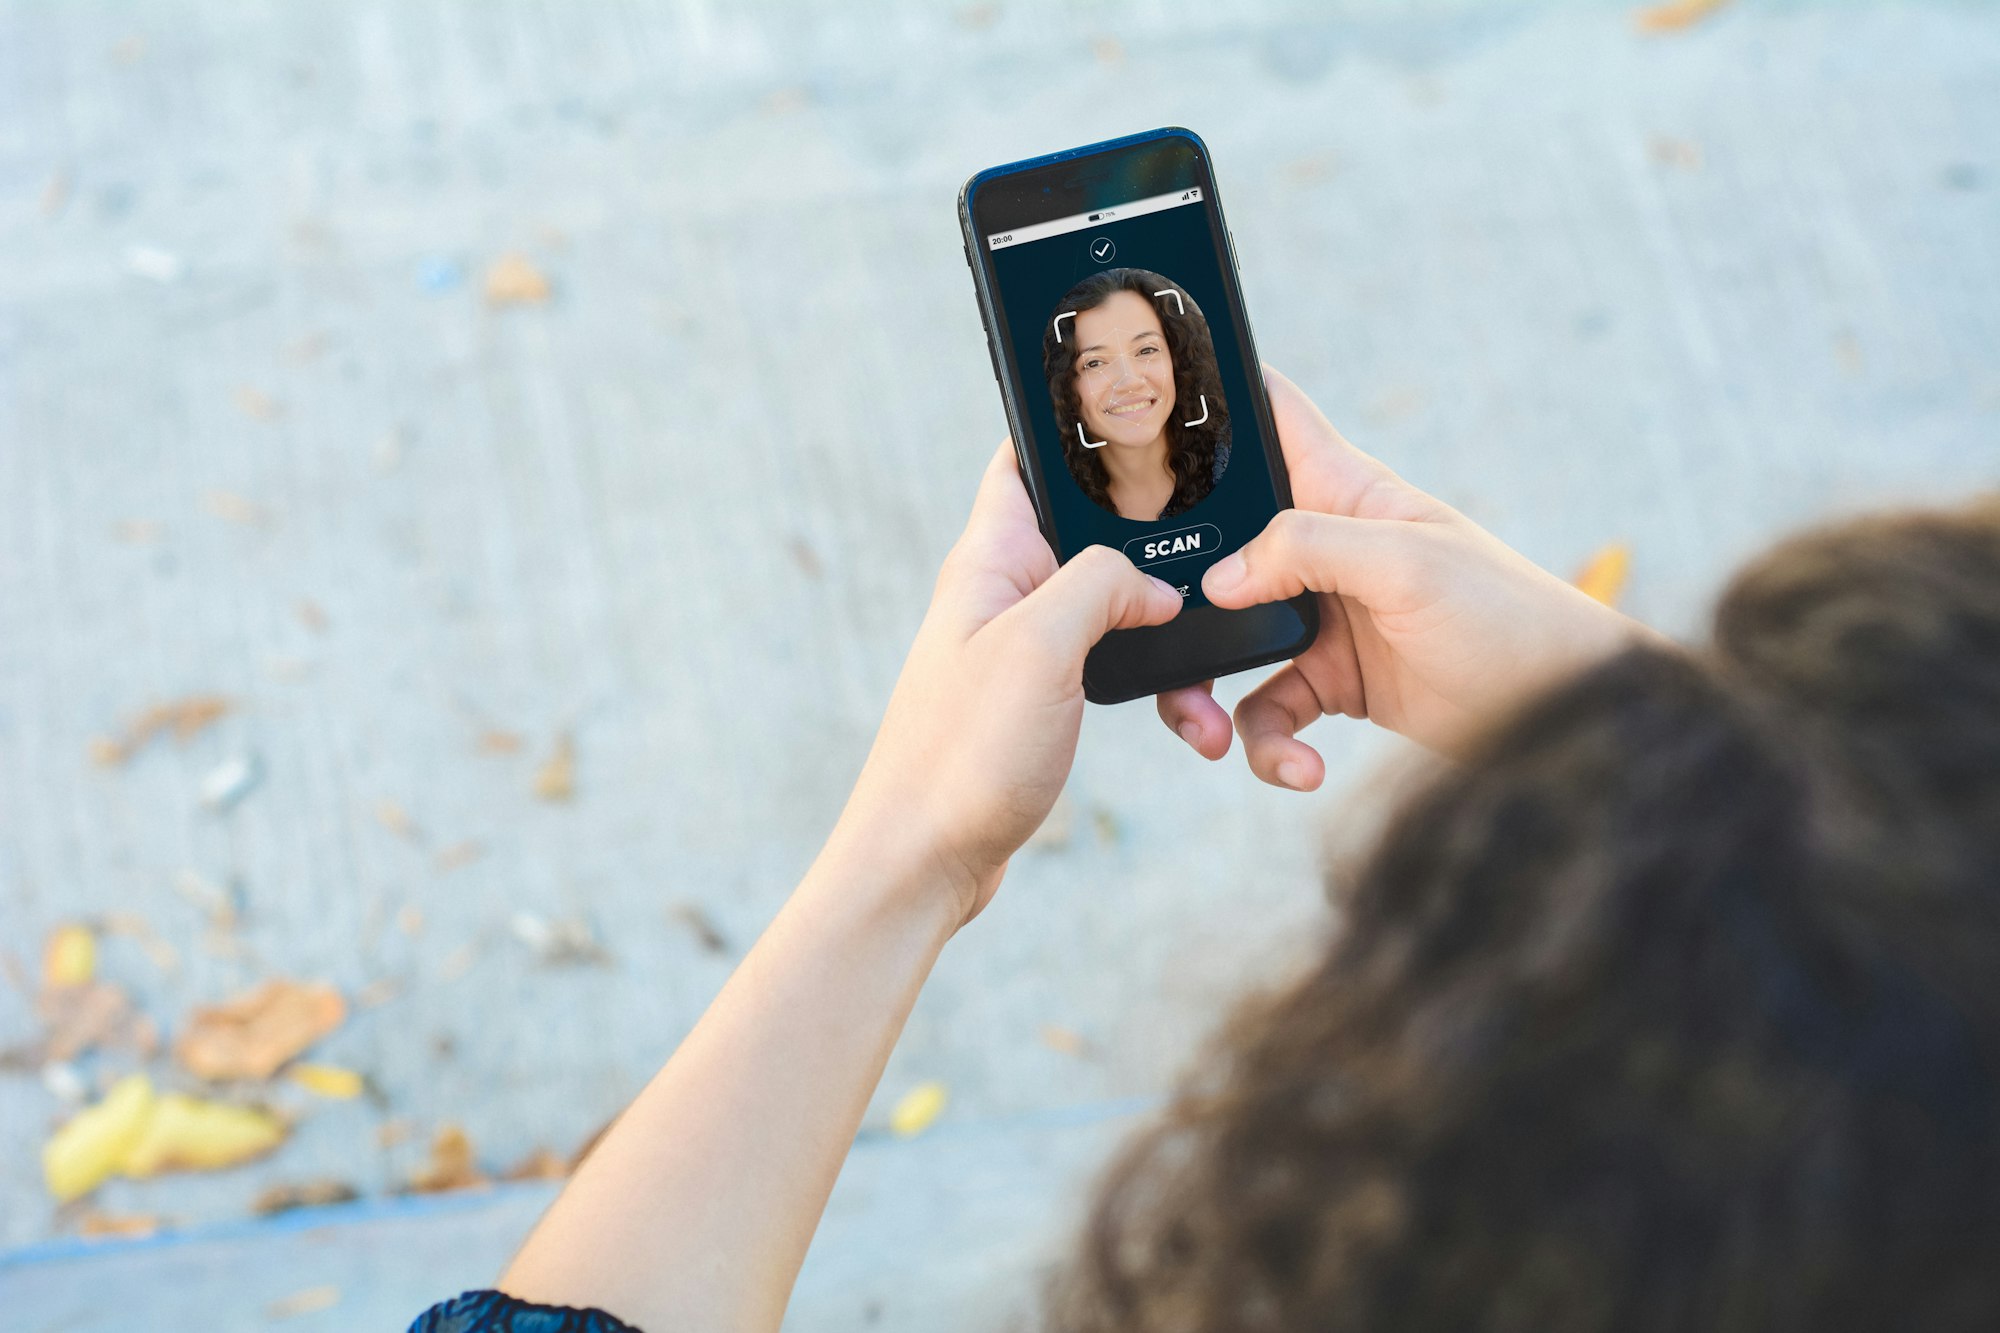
1107	281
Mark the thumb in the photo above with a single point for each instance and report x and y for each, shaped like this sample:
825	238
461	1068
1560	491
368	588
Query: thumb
1382	563
1096	591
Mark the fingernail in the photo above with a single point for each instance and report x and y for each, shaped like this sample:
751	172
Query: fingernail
1191	734
1166	587
1293	774
1224	574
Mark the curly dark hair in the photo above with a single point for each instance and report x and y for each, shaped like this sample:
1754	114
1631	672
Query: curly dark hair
1190	449
1676	1008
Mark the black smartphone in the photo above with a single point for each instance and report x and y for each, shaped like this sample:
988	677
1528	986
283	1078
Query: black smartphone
1107	281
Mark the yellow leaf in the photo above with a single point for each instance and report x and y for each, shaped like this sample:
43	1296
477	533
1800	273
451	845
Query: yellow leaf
1674	15
187	1134
87	1150
555	780
1603	577
70	957
920	1106
328	1081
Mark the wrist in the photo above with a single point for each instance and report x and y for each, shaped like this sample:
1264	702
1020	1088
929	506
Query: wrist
895	877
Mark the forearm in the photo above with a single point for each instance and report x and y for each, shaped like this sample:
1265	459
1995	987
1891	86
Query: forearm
696	1209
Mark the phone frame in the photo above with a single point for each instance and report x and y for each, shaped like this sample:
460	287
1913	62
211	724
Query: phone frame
1057	185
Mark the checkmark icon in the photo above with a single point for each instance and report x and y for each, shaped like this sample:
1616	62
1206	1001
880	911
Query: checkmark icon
1102	249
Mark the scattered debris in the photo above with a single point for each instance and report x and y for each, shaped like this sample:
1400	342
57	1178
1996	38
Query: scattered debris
457	855
284	1197
703	926
329	1081
309	347
256	404
82	1017
389	449
234	508
252	1035
569	940
1104	823
129	50
410	920
917	1110
223	907
1674	15
803	555
396	819
312	615
137	531
541	1164
1847	353
499	742
150	261
64	1083
88	1149
56	192
310	1301
230	781
1684	154
94	1225
1603	575
377	993
131	926
513	280
70	956
451	1166
555	780
1108	50
460	960
438	274
186	718
1065	1041
392	1132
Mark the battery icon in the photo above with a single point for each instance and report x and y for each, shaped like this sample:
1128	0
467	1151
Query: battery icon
1095	216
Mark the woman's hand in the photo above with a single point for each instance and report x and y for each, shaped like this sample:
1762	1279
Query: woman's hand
1429	625
982	726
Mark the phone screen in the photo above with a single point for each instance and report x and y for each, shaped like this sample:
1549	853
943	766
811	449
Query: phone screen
1132	383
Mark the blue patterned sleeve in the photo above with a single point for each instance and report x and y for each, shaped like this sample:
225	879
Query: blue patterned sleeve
497	1312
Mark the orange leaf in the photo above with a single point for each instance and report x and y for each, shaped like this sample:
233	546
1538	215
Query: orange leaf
253	1034
1603	576
1675	15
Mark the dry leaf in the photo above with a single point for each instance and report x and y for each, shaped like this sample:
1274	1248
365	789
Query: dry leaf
185	717
392	1132
410	920
698	921
555	780
541	1164
185	1133
96	1013
1603	575
377	993
919	1107
130	925
458	854
221	905
310	1301
1064	1040
256	404
514	281
283	1198
70	956
234	508
328	1081
499	742
1675	15
252	1035
451	1166
396	819
104	1226
86	1151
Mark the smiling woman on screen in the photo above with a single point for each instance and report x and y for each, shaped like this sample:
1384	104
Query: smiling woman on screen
1138	396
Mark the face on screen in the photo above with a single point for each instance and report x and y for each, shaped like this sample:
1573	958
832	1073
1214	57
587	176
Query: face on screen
1137	393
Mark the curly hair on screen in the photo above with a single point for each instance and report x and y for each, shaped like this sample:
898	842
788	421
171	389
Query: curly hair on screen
1673	1008
1191	449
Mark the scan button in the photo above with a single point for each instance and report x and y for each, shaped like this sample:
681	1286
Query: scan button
1160	547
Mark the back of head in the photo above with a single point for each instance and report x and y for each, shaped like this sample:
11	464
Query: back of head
1677	1007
